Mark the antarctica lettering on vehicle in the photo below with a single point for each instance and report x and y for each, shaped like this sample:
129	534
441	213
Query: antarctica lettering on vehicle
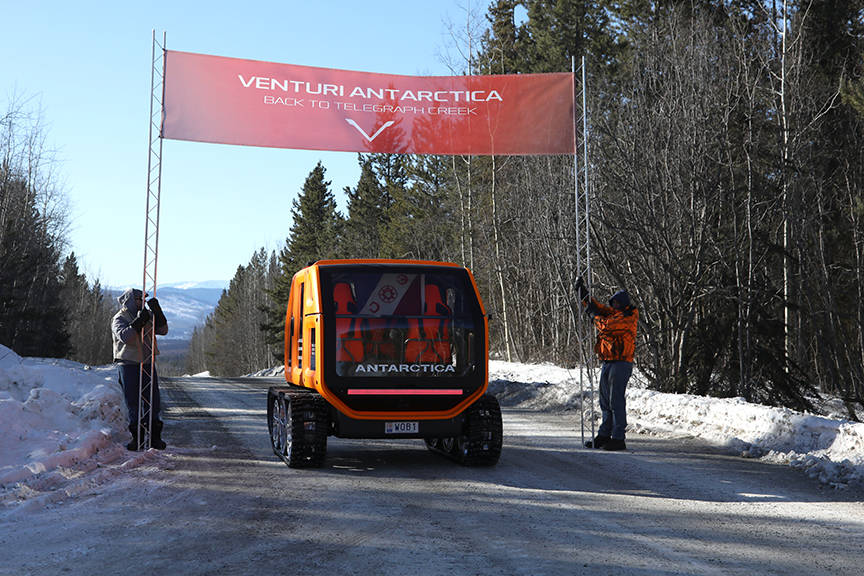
404	368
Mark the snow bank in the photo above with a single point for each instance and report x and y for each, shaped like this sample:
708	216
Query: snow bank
62	427
270	372
830	449
827	448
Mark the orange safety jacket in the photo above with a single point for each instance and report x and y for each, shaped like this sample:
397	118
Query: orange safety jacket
616	331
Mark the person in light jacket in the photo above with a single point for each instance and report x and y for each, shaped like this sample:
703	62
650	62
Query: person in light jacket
132	330
615	347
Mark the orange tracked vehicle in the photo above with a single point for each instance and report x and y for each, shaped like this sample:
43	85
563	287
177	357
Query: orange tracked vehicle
385	349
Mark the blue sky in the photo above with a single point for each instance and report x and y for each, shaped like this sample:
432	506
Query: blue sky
86	65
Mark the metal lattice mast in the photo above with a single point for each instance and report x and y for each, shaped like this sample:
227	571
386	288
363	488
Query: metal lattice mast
582	204
151	235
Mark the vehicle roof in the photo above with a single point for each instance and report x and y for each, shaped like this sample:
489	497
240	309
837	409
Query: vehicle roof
383	261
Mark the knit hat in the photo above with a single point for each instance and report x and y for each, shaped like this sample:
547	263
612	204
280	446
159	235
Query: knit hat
622	297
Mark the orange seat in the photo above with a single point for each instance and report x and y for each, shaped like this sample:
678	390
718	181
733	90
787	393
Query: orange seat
428	338
349	343
381	346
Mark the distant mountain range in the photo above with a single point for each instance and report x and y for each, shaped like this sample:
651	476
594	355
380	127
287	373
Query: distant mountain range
186	304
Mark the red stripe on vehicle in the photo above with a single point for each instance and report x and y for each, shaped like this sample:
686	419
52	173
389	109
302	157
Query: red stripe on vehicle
404	392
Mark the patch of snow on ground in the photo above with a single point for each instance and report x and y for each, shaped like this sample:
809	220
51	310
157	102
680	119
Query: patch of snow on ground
63	428
830	449
270	372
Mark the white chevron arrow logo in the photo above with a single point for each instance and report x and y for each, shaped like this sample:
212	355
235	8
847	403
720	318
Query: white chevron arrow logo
363	132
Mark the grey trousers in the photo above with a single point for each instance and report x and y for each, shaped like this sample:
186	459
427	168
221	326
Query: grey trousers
613	383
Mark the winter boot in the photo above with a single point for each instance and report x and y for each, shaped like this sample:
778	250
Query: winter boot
615	444
598	442
133	445
156	438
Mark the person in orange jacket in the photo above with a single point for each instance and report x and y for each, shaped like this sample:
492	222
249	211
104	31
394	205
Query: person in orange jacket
615	346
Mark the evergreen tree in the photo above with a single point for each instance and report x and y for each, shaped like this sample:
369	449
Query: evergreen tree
32	316
503	50
368	207
99	310
316	223
88	315
74	296
429	222
314	236
560	29
223	351
391	170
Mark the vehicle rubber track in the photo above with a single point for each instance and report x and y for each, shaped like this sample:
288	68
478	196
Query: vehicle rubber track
299	422
481	439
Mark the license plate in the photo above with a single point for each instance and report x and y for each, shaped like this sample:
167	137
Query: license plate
401	427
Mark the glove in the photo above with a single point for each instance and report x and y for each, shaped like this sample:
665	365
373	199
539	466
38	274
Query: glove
583	291
158	315
140	320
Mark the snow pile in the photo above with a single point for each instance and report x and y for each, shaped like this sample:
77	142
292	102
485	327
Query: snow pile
270	372
830	449
62	427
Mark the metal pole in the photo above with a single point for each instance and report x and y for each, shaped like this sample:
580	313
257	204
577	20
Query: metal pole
583	247
153	375
143	443
151	245
579	320
587	208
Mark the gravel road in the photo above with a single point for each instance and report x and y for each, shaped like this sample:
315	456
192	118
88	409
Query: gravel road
219	502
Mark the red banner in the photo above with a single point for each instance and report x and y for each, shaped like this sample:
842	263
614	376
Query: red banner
252	103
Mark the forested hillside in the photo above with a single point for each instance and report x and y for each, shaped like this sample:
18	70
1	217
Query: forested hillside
47	307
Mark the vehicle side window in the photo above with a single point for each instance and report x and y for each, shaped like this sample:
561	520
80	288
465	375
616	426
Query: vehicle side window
300	327
290	358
